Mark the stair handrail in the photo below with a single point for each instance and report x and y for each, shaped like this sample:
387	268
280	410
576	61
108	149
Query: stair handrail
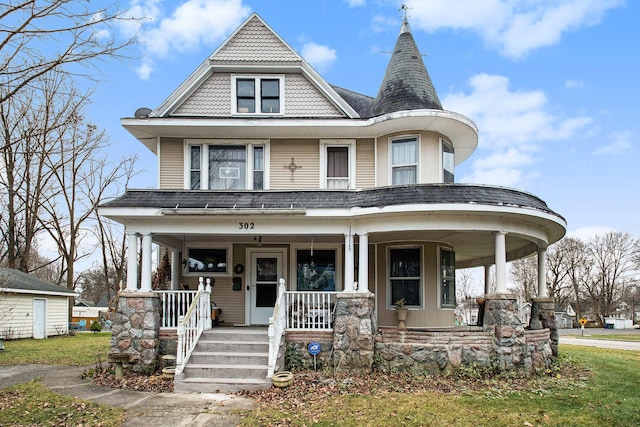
192	324
276	329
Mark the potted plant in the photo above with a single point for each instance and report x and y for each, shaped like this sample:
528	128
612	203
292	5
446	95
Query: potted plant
401	312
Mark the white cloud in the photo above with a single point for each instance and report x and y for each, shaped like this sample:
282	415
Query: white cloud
573	84
319	56
618	143
193	24
587	233
513	27
514	124
354	3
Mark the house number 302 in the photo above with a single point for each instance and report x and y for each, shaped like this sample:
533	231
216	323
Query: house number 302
246	225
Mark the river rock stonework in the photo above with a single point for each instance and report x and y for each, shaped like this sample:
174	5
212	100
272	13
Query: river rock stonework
135	329
543	317
353	332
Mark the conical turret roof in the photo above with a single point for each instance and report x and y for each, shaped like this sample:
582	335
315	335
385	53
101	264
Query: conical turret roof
406	84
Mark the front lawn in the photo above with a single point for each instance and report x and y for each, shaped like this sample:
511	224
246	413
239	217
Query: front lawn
70	350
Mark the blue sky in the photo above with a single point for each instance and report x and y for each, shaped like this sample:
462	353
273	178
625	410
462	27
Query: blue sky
551	84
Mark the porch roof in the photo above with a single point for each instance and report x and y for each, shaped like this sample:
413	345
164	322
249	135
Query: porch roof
339	199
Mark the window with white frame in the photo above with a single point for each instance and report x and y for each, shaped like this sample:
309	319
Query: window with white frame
447	278
315	270
226	166
405	275
448	161
337	158
257	95
207	260
404	161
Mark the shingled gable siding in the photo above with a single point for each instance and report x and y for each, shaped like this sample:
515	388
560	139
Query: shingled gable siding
212	98
171	163
365	163
302	99
306	155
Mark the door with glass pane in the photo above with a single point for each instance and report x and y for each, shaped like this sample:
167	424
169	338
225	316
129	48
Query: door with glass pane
266	271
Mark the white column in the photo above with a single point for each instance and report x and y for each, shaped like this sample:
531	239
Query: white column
363	263
175	269
132	261
487	279
348	263
145	279
542	272
501	262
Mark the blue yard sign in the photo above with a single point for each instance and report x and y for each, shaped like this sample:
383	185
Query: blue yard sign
314	348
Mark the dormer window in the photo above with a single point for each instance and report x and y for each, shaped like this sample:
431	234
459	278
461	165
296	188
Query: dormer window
448	161
404	161
257	95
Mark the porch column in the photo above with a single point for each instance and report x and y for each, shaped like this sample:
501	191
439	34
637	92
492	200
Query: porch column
487	279
175	269
145	280
348	263
501	262
132	261
542	272
363	263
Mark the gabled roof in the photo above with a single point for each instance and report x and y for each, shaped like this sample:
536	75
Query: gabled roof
253	47
16	281
406	84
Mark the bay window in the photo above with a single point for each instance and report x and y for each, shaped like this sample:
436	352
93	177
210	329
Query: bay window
447	278
405	275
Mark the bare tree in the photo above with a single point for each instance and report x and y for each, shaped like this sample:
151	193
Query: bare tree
466	291
524	274
38	37
612	258
557	279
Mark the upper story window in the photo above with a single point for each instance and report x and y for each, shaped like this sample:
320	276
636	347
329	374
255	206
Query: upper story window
338	164
448	161
257	95
226	166
405	275
404	161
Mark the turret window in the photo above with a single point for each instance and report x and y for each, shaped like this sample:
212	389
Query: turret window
404	161
448	162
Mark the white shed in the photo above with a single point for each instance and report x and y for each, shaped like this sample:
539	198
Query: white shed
32	308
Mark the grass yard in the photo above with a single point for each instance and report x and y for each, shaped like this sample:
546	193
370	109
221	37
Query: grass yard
605	395
608	337
71	350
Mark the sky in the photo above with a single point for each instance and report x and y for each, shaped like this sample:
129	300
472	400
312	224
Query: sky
551	84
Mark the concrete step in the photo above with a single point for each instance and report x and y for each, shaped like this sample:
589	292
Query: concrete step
229	358
219	385
217	370
231	346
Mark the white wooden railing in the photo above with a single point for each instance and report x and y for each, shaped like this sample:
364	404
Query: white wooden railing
191	325
276	328
310	310
173	305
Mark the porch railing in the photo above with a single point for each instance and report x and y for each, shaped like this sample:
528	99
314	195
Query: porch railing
192	324
276	328
173	305
310	310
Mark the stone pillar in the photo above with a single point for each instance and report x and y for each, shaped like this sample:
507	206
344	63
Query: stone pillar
501	263
543	317
145	277
363	263
348	263
501	316
132	261
354	332
135	329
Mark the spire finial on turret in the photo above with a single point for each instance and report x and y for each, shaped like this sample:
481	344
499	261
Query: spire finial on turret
405	23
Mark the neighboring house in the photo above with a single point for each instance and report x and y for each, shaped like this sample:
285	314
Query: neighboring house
525	313
565	316
32	308
267	171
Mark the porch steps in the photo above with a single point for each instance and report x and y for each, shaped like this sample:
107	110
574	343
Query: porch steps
227	359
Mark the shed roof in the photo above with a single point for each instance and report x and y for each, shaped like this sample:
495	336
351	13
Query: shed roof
19	282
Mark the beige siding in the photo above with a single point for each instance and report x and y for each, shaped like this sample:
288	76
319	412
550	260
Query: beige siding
305	154
302	99
171	163
430	164
430	315
365	163
211	98
16	315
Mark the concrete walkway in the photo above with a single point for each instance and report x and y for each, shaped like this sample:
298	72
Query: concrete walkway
142	408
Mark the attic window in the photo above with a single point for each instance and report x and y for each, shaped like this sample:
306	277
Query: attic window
257	95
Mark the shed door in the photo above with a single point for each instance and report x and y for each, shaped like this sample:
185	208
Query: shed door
39	318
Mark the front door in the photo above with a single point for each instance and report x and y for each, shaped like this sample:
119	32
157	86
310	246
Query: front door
266	270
